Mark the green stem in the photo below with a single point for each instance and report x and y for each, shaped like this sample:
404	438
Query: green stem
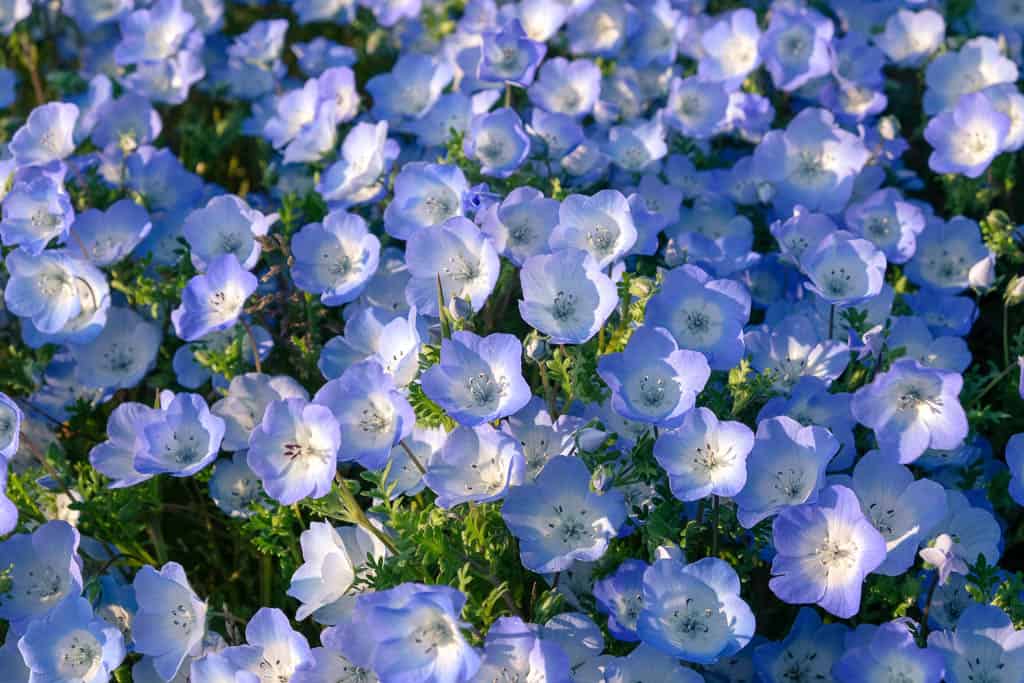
991	385
355	511
831	320
1006	333
412	457
715	507
508	94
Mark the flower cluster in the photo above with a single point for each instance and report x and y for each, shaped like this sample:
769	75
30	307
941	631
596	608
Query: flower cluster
454	341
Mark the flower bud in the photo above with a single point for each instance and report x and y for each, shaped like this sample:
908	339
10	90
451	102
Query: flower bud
536	348
982	274
1014	291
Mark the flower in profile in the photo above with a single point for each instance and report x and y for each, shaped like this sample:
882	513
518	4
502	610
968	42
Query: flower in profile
601	225
372	414
183	440
412	633
170	623
559	520
10	427
704	456
796	48
457	255
331	556
478	379
823	552
213	301
912	408
566	295
226	225
498	141
621	597
844	269
966	138
893	652
72	644
335	258
509	56
476	465
786	467
234	487
694	611
702	314
248	396
946	556
294	450
110	236
41	570
47	135
812	163
115	457
359	175
653	380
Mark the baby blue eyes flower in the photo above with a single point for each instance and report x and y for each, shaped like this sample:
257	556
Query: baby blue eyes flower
212	302
46	136
890	652
844	269
565	87
946	251
247	398
702	314
294	450
509	56
796	47
410	89
372	414
652	380
474	465
425	195
601	225
72	645
889	221
459	256
977	65
910	37
559	520
36	210
620	595
234	487
43	288
812	163
514	650
110	236
694	612
730	49
43	570
10	427
521	224
121	354
1014	460
984	645
392	340
115	457
478	379
183	440
966	138
171	620
912	408
696	108
335	258
566	295
824	551
498	141
807	653
274	650
359	175
152	35
226	225
704	456
786	467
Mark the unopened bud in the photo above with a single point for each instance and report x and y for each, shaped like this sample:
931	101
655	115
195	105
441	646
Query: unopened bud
982	274
1014	291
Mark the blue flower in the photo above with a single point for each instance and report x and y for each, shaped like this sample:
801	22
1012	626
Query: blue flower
946	251
412	634
638	145
694	612
392	340
521	224
35	210
247	399
254	59
786	467
909	38
126	123
121	355
702	314
152	35
212	302
10	427
984	644
793	349
566	296
1015	461
41	571
824	551
359	175
509	56
8	510
808	652
478	379
335	258
796	47
565	87
476	465
274	650
966	138
110	236
812	162
889	221
43	288
115	457
47	135
844	269
912	408
72	645
497	140
541	437
601	225
215	667
170	623
515	650
979	63
331	663
696	108
331	557
372	414
730	48
893	652
652	380
294	450
234	487
425	195
183	440
559	520
704	456
620	596
966	532
410	89
226	225
456	255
